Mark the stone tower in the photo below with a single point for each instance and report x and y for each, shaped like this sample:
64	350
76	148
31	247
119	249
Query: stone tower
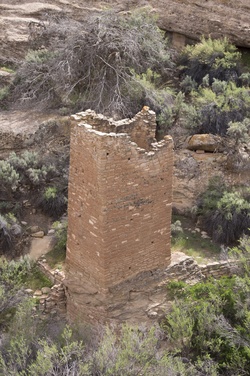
119	215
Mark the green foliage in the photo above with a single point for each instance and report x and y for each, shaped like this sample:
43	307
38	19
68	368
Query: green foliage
145	90
50	193
239	131
213	193
179	327
38	56
188	84
35	279
176	227
219	93
7	69
53	202
130	354
225	95
57	255
54	360
219	87
24	161
18	344
191	116
206	333
191	242
211	321
9	177
4	92
10	230
225	214
214	52
43	180
12	275
30	172
217	58
220	104
26	168
245	78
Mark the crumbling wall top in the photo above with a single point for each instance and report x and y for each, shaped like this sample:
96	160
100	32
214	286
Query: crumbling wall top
140	129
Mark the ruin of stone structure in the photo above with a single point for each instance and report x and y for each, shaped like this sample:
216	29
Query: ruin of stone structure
119	215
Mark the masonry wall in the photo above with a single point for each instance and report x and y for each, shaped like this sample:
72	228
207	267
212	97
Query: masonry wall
120	198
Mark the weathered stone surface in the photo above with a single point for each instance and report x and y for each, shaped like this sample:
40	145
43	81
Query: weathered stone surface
34	229
26	129
189	18
192	173
45	290
38	293
39	234
206	142
119	215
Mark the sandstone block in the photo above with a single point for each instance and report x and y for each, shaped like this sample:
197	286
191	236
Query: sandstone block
39	234
205	142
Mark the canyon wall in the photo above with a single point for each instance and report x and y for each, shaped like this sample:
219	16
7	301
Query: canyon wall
188	18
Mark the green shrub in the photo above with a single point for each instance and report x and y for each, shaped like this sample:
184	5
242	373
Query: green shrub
239	131
217	58
35	279
144	90
9	177
211	322
176	227
53	202
57	255
225	214
219	105
38	56
188	84
10	231
4	92
30	173
12	275
245	79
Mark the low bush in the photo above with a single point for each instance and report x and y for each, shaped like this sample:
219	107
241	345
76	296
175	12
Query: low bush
210	321
215	58
225	214
219	105
52	202
10	234
57	255
12	275
30	174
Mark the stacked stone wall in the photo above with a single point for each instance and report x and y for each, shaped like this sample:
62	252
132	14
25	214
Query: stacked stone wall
120	198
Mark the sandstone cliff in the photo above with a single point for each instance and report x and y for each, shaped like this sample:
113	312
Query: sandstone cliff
191	18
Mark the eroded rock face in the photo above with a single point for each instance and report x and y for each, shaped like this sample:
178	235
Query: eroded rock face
193	171
191	18
205	142
21	130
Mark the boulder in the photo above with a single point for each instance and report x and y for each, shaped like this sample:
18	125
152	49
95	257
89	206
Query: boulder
34	229
39	234
205	142
45	290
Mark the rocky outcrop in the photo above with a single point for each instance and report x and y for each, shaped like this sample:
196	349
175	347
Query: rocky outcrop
191	18
205	142
192	172
25	130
